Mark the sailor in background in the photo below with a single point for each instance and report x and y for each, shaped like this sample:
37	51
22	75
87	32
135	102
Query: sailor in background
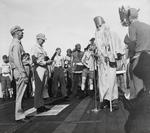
6	78
27	66
68	73
77	68
58	74
89	68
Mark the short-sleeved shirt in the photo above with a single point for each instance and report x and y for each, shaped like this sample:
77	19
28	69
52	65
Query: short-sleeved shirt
76	60
16	53
58	61
77	57
40	54
67	61
140	33
5	69
88	60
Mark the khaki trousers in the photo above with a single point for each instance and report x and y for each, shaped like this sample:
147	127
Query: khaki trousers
20	89
41	76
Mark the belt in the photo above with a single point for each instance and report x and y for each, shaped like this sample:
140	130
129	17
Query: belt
58	67
6	73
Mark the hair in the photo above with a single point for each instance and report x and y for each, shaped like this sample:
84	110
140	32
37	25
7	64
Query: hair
92	39
13	34
58	48
78	44
26	54
4	57
69	50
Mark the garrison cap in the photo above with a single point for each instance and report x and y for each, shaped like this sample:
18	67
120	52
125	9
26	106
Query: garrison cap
41	36
15	29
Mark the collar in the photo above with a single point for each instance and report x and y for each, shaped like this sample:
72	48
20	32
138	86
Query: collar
16	40
37	45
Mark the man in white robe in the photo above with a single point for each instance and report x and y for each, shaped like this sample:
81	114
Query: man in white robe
107	83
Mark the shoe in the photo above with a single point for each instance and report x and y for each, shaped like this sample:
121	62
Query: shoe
42	109
28	117
116	107
46	109
115	104
91	93
66	97
104	104
24	120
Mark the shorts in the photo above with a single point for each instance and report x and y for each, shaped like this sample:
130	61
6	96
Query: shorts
87	73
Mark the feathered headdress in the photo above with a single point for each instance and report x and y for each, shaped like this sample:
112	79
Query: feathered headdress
126	13
124	16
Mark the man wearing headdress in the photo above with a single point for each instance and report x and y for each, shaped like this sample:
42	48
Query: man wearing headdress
107	84
138	42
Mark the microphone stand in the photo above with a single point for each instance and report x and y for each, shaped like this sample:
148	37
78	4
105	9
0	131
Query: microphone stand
95	109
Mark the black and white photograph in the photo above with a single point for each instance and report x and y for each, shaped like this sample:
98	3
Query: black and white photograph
75	66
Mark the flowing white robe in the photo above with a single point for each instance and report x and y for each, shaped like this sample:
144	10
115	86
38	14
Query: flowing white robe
107	82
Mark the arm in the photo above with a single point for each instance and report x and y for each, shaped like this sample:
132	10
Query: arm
38	57
132	34
84	60
53	56
131	41
17	58
71	60
62	62
41	61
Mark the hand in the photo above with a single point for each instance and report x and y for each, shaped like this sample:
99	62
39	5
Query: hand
25	78
49	62
106	59
95	55
119	56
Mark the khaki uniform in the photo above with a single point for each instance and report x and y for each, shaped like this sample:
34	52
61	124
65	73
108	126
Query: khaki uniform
41	75
16	52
